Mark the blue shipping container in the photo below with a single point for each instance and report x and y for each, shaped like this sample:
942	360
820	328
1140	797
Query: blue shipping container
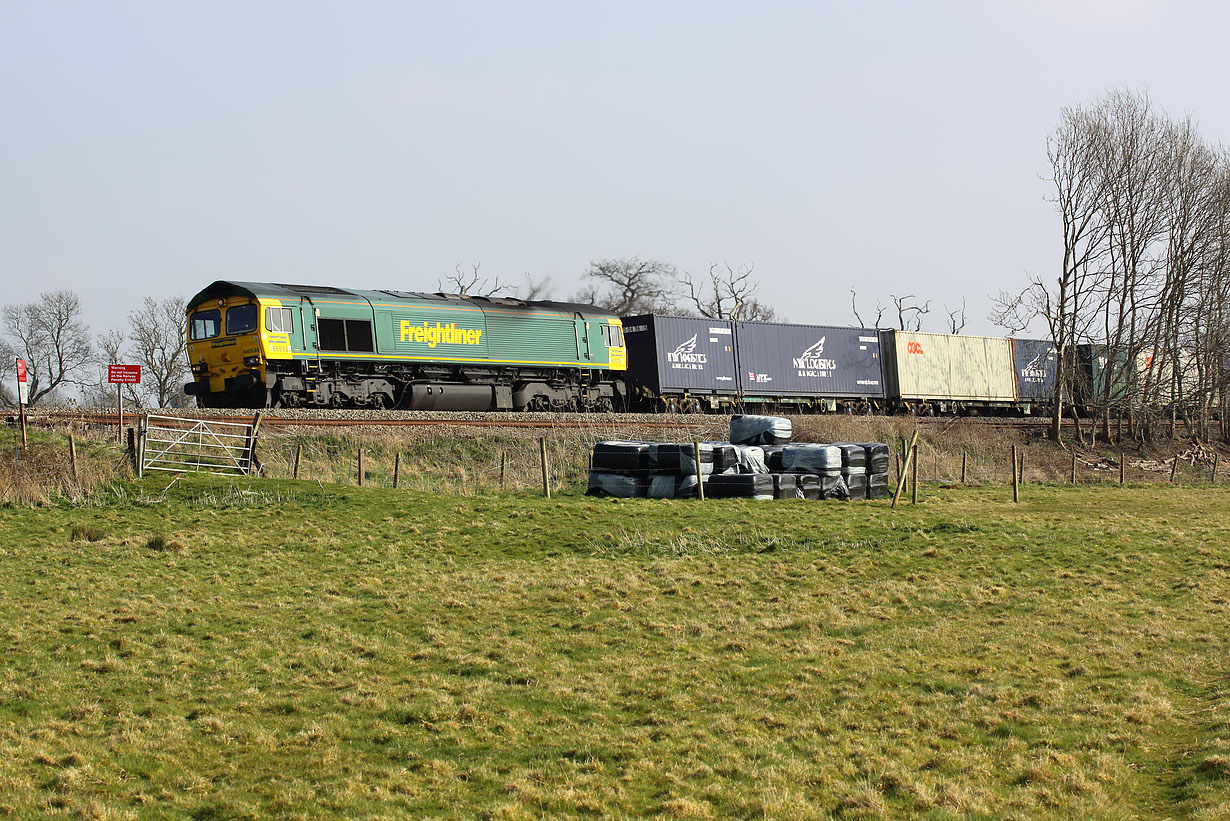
1036	364
672	354
776	359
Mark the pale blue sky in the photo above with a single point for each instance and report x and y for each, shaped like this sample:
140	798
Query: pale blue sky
150	147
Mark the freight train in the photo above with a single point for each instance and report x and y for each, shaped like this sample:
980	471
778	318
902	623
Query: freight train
256	344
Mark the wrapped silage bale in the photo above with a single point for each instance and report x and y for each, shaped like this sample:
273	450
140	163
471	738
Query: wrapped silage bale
877	486
726	458
760	430
857	485
619	485
832	487
621	456
671	486
773	457
680	458
751	459
822	460
853	458
810	484
786	486
879	457
739	486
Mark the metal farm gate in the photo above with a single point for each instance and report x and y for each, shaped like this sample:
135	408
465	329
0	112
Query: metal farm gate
193	445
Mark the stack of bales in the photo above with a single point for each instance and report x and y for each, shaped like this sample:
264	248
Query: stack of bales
759	462
878	460
658	470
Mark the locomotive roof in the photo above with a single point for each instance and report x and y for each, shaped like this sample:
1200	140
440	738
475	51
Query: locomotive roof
225	288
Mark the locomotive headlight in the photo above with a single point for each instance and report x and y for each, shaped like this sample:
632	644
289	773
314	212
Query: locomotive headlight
251	361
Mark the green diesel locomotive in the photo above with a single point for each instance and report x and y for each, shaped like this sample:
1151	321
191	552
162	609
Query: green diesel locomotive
257	344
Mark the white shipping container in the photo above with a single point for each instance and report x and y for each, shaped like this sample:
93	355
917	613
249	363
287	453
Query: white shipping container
952	366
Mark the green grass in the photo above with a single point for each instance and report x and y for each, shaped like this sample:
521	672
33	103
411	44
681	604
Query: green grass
243	649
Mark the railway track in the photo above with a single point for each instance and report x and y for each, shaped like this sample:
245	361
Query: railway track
502	420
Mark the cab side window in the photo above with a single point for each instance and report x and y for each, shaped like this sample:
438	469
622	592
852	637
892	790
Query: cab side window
279	320
613	336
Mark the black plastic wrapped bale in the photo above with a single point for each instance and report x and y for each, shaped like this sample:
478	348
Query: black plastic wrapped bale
680	458
810	484
615	456
739	486
879	457
857	485
671	486
760	430
877	486
751	459
773	457
822	460
620	485
786	486
853	458
832	487
725	457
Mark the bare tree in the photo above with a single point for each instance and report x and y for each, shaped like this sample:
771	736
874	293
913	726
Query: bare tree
956	318
158	342
854	309
51	336
727	293
536	288
909	312
99	393
471	283
629	286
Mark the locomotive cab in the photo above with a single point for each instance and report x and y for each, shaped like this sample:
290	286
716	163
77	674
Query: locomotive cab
226	353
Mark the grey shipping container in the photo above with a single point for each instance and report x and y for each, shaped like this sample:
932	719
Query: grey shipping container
1036	364
776	359
674	354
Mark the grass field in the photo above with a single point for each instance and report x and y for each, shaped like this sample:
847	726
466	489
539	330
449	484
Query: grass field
235	649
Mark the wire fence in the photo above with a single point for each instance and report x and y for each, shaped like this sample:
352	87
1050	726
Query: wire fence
470	461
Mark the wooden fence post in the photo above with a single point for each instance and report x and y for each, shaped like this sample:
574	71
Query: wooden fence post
72	455
542	453
1022	466
1173	467
298	453
1016	497
905	466
964	457
1213	478
397	470
254	463
700	479
1073	467
360	467
1122	466
503	467
132	449
914	475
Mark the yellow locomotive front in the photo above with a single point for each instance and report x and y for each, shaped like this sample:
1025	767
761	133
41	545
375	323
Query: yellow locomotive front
226	352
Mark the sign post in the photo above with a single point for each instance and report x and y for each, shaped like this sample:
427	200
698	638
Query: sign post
121	375
23	397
